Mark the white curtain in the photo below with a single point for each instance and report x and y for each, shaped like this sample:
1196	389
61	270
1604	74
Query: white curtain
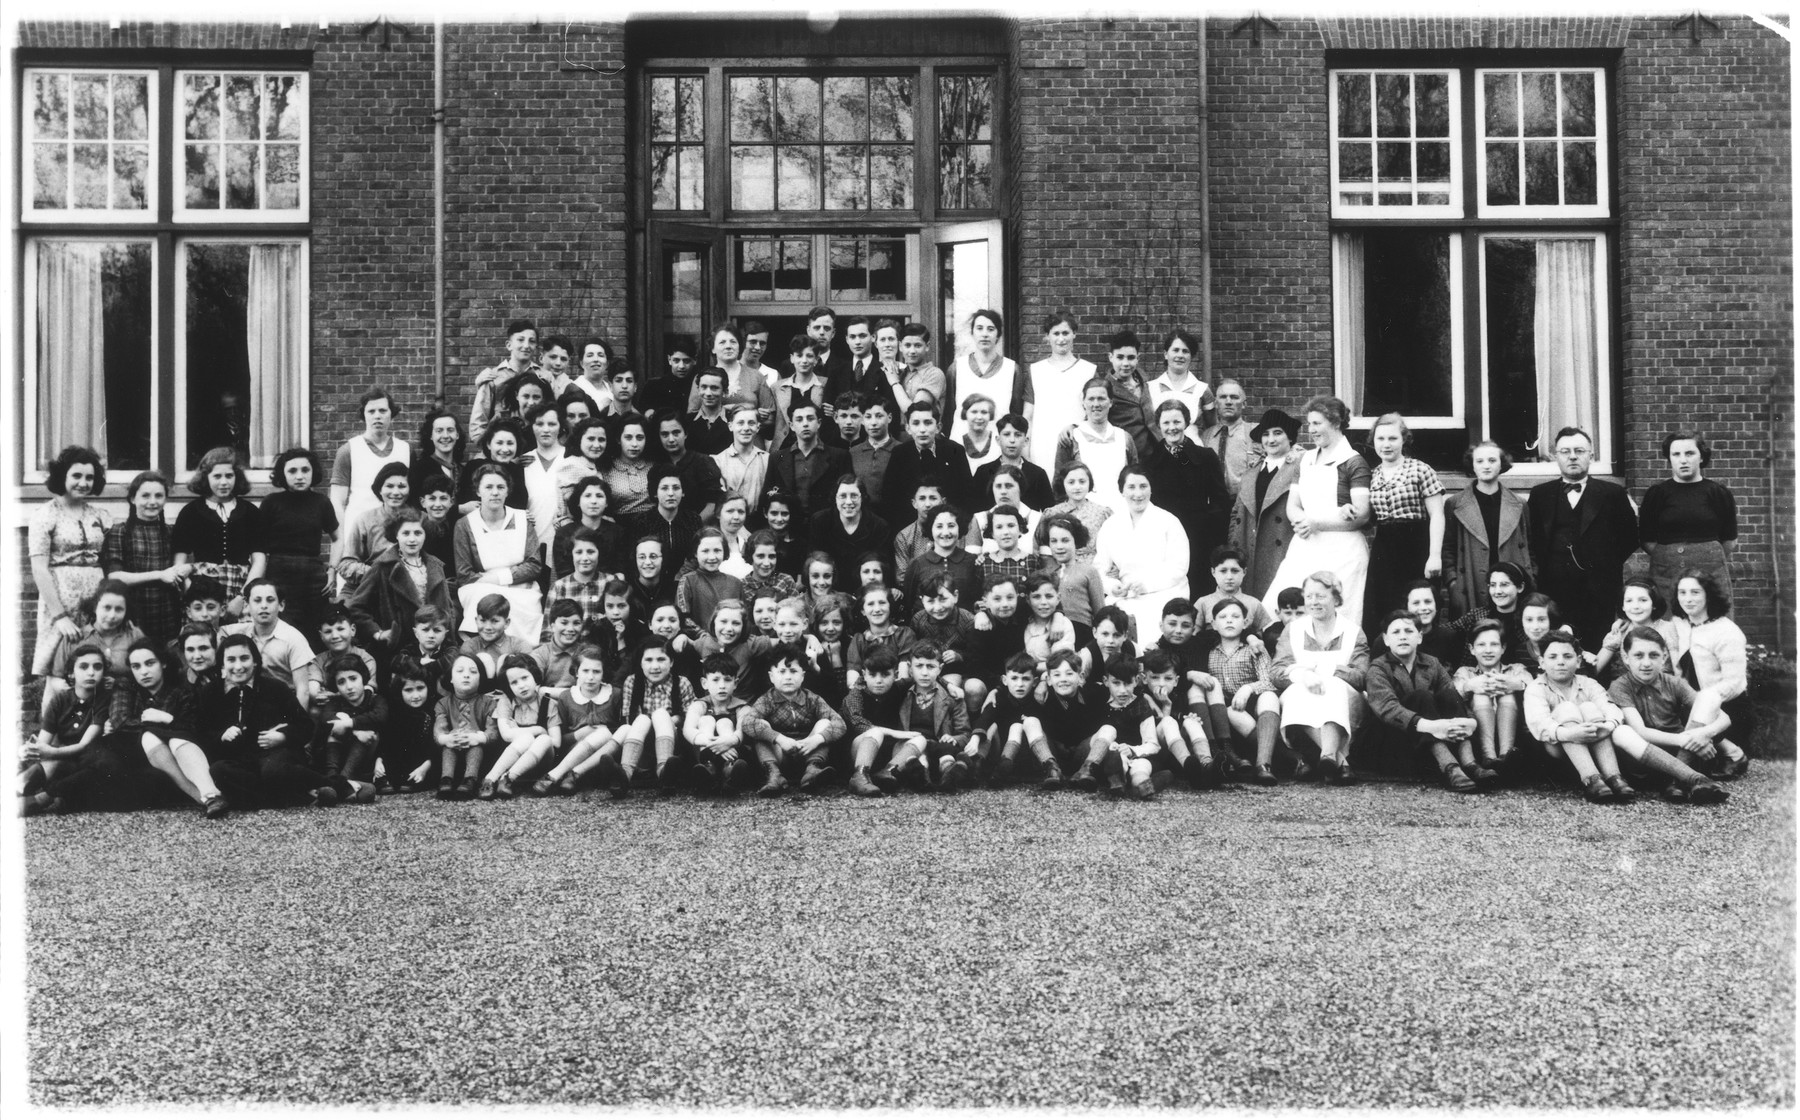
1349	316
1563	331
276	333
71	346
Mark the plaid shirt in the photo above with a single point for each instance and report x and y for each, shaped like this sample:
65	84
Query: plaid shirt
1398	492
134	545
586	595
993	569
1235	670
794	716
781	585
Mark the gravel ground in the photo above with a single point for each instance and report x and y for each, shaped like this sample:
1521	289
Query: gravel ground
1385	945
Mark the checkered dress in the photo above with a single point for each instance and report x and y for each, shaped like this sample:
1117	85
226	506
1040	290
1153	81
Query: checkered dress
1398	492
584	594
135	545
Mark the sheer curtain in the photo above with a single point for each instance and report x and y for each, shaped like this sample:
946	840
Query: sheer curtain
276	335
1563	331
71	346
1349	314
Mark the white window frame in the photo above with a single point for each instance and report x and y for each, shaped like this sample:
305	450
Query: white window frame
821	272
178	144
27	178
1602	155
1604	436
1374	211
1459	409
181	458
29	429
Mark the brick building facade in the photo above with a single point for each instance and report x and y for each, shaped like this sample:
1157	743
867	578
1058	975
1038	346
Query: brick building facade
1134	172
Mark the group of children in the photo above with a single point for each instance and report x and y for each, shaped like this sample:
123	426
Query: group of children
767	685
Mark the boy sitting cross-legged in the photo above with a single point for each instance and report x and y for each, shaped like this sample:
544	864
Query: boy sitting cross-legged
788	710
1000	728
1130	736
873	714
939	748
1241	668
1178	725
1668	725
350	729
1061	721
714	726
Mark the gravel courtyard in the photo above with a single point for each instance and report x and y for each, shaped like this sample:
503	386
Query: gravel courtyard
1384	945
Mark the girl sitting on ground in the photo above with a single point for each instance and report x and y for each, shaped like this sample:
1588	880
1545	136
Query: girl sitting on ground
529	724
1493	690
588	717
464	728
70	720
654	700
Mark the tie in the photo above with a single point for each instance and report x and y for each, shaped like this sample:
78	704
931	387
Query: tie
1224	434
1571	487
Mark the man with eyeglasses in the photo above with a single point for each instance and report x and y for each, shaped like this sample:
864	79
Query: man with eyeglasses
1583	529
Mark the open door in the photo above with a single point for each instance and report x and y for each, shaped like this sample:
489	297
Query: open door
685	299
967	273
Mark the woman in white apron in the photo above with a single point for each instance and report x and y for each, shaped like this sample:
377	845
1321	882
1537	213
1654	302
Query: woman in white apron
983	370
360	460
1056	388
1328	507
497	553
1105	447
1320	666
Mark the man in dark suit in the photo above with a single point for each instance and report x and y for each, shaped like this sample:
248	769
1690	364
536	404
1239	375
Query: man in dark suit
806	467
925	454
1582	531
834	356
1259	521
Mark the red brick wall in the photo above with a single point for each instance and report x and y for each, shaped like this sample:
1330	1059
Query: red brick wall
1108	177
537	162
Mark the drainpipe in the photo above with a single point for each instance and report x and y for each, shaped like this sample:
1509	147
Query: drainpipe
1206	363
437	291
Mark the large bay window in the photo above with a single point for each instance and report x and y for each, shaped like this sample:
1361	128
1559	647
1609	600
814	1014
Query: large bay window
1471	226
152	373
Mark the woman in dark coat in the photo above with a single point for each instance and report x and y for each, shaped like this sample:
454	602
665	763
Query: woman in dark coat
399	582
1485	524
1259	521
1189	481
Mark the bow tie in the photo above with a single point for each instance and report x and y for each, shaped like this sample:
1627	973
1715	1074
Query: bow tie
1573	487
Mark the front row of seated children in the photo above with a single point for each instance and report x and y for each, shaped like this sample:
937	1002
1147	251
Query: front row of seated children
760	701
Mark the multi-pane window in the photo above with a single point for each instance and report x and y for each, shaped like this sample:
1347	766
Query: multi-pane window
820	142
802	142
243	143
771	269
678	142
1542	145
1393	145
965	141
89	142
1516	346
192	268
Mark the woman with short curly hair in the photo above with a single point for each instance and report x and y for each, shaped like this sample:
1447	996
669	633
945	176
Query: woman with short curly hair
63	540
